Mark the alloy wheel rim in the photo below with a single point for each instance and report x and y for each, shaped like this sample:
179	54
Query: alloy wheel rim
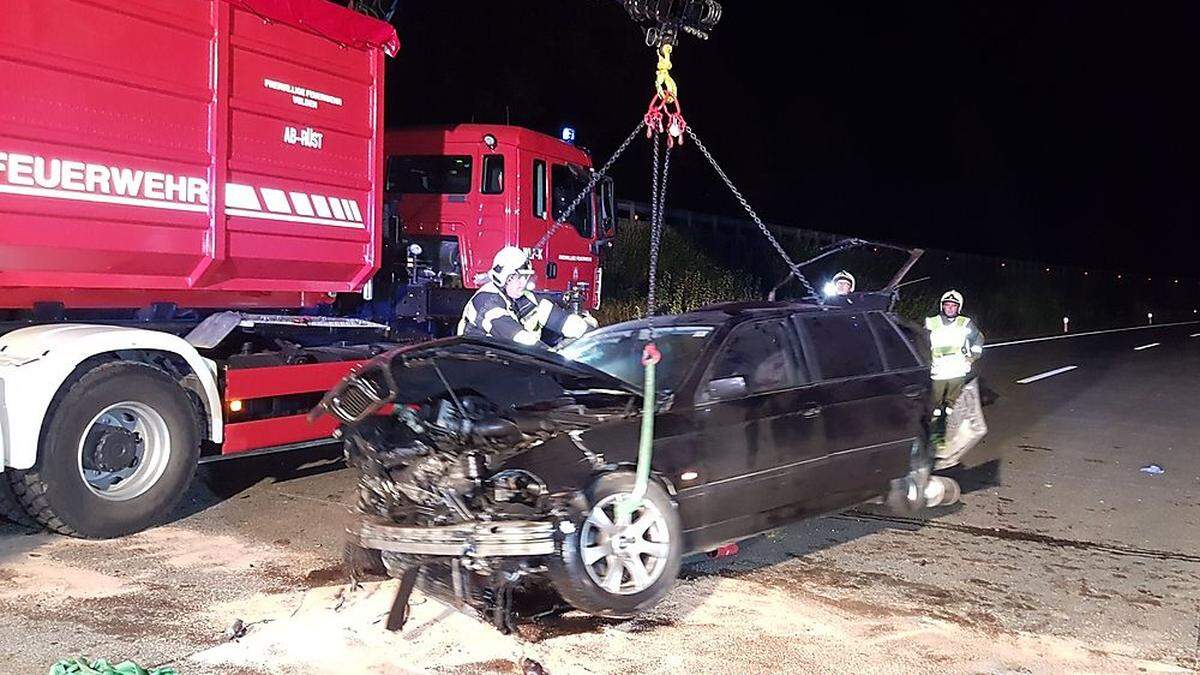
624	554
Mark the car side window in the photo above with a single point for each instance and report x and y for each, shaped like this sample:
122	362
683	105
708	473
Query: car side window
896	354
842	345
755	358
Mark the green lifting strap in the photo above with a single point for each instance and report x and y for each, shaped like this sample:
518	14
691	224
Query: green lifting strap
650	358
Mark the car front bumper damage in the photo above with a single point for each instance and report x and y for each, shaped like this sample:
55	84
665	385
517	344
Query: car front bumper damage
470	540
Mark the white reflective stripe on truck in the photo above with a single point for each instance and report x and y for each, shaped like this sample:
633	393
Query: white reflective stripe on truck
31	175
242	201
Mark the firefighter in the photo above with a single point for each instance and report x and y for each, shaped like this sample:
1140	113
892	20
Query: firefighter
505	309
839	288
956	344
843	283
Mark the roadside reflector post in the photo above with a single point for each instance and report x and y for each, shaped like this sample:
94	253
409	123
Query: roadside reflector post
1149	318
1066	323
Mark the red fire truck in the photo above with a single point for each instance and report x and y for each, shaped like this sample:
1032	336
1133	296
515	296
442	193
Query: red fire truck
185	188
456	195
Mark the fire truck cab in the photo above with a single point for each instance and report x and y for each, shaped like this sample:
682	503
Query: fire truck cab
456	195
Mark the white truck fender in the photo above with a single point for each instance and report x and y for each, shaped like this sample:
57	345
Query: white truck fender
35	361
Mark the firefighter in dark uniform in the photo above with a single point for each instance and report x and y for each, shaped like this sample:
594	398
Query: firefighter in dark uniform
505	309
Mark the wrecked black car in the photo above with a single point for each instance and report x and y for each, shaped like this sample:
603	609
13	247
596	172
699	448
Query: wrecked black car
491	466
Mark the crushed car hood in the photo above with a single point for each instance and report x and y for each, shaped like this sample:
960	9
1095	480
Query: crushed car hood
508	375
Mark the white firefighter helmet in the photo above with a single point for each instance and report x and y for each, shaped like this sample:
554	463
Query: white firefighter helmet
509	261
952	296
844	275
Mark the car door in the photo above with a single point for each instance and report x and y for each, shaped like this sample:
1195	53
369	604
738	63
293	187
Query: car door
758	432
870	391
902	362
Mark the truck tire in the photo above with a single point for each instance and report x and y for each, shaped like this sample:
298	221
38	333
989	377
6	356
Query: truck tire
10	507
583	571
118	451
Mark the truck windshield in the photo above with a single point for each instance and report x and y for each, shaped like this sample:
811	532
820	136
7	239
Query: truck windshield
618	352
567	181
429	174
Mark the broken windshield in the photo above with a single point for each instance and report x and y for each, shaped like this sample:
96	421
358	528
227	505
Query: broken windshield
618	352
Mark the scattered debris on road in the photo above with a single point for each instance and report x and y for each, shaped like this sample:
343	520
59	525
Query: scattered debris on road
1153	470
236	630
531	667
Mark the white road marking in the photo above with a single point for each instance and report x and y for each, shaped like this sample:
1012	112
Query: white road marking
1152	344
1094	332
1048	373
1194	335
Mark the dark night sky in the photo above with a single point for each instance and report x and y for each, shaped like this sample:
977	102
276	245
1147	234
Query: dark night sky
1064	132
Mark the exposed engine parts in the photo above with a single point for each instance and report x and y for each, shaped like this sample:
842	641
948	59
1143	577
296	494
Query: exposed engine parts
432	502
476	467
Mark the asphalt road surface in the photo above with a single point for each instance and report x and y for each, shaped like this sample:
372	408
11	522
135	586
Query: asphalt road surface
1063	556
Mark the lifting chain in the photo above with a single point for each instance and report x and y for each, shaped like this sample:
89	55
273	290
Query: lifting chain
650	353
657	215
587	190
795	269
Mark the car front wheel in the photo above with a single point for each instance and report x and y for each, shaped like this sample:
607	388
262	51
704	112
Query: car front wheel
617	566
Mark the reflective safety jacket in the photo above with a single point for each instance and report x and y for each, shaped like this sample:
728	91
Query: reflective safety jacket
955	343
493	314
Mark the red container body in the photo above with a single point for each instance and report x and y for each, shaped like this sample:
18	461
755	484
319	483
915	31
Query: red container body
209	153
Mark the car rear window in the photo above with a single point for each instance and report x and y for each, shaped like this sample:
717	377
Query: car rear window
896	354
841	345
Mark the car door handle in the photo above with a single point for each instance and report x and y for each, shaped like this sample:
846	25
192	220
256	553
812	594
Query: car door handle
810	411
914	391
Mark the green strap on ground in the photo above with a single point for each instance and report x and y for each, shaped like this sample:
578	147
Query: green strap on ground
81	666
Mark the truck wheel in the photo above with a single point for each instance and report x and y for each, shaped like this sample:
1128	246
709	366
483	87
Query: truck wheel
118	452
614	570
10	506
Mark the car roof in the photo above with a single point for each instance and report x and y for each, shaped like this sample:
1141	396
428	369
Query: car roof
735	312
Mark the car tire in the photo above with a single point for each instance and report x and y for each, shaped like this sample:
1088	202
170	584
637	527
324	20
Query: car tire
165	432
579	577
